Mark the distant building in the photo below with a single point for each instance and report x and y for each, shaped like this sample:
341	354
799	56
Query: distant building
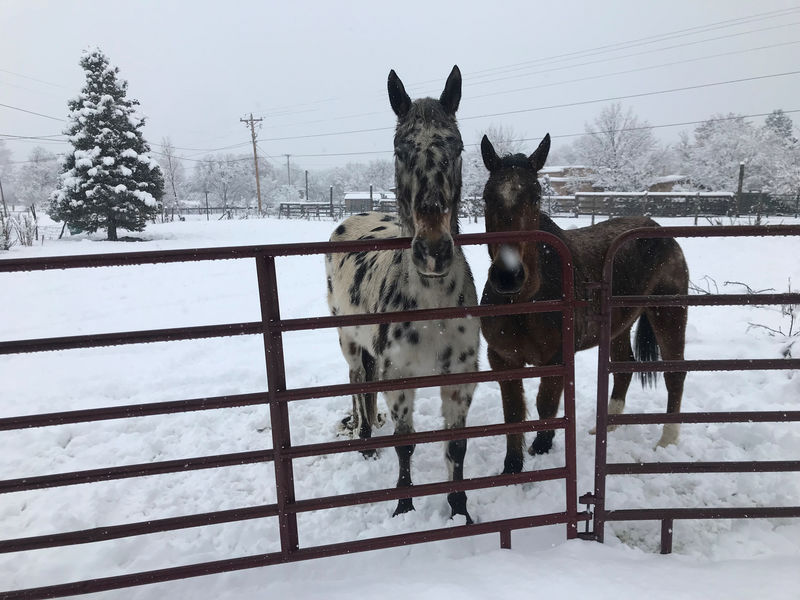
355	202
566	180
667	183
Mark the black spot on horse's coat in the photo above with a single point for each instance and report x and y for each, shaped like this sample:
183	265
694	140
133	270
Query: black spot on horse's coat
355	288
352	349
340	230
379	228
381	340
330	286
386	364
452	287
461	299
462	357
413	337
461	329
398	257
447	353
397	333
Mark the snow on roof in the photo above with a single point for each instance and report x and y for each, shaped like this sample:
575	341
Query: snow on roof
671	178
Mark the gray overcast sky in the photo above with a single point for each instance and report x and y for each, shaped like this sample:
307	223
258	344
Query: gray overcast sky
311	68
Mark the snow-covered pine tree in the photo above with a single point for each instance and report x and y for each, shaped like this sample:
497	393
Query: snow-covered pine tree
108	180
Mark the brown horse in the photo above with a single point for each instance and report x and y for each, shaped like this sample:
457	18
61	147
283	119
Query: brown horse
531	271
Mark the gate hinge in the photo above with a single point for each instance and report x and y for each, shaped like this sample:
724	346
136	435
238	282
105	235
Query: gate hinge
588	500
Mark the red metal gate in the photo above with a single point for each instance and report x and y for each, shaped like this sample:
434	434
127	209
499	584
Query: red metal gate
606	367
277	397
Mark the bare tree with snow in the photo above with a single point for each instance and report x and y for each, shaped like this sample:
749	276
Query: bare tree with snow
621	150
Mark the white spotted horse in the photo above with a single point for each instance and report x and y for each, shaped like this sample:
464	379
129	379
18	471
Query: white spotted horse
432	273
531	271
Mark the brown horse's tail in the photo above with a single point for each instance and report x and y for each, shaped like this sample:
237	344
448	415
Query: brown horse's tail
646	349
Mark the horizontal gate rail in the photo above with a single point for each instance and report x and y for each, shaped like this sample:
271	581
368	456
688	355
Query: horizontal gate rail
273	558
606	367
141	470
131	411
277	397
705	417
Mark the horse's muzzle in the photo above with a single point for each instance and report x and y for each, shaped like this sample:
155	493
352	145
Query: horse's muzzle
432	258
506	281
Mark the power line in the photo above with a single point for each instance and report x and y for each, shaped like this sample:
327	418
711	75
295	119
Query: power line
652	39
605	60
568	135
38	114
628	96
638	69
576	80
32	78
553	106
616	47
556	136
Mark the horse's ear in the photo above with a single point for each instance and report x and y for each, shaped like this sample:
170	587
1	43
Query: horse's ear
539	155
451	96
398	97
490	159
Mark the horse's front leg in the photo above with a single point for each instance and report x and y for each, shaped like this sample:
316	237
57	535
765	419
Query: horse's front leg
401	408
513	410
455	405
547	401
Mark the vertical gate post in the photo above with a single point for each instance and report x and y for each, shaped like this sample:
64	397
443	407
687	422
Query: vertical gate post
603	373
568	360
278	411
666	536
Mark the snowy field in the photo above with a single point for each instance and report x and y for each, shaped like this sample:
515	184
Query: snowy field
712	559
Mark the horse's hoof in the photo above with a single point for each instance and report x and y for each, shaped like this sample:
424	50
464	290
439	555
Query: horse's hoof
512	464
469	520
458	505
542	443
346	426
404	505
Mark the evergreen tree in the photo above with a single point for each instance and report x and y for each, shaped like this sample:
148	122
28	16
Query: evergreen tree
109	180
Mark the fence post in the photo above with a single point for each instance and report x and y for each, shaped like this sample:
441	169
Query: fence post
603	375
568	360
278	411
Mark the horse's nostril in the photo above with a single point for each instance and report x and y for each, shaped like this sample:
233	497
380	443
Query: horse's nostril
506	281
418	250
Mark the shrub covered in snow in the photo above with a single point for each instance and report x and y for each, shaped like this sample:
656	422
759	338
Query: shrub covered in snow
109	180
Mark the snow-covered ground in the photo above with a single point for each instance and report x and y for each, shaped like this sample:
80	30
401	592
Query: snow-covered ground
730	559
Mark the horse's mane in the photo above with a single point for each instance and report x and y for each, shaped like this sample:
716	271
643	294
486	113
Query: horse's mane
428	110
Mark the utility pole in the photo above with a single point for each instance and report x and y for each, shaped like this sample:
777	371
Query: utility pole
288	170
252	123
3	198
739	189
306	185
